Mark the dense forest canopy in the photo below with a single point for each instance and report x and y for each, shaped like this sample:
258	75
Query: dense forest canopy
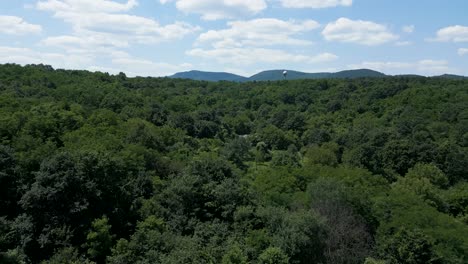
96	168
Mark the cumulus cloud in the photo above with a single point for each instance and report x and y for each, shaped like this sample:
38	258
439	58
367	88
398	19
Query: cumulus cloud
358	31
250	42
101	33
248	56
403	43
408	29
315	3
72	43
103	23
84	6
120	61
142	67
13	25
426	67
452	34
28	56
220	9
462	51
258	32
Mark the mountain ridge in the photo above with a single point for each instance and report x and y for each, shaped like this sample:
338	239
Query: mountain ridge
277	74
208	76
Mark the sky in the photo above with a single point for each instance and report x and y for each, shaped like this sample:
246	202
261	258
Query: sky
162	37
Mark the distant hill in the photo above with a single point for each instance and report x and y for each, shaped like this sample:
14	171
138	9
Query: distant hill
208	76
451	76
275	75
356	74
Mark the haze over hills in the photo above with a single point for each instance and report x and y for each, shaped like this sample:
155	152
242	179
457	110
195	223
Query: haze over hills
276	75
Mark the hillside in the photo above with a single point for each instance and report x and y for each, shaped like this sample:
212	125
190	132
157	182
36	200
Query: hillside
208	76
452	76
360	73
99	168
276	75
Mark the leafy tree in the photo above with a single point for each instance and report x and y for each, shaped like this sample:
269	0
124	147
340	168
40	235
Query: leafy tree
275	186
410	246
234	256
58	178
285	158
374	261
67	255
144	244
273	255
325	155
238	151
8	181
275	138
430	172
423	188
403	209
262	153
99	240
457	200
300	234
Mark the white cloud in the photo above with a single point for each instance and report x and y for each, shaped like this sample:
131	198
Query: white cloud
85	6
403	43
121	61
101	32
424	67
72	43
249	42
28	56
408	29
220	9
13	25
248	56
134	66
323	57
381	66
315	3
462	51
452	34
358	31
101	23
258	32
143	67
434	66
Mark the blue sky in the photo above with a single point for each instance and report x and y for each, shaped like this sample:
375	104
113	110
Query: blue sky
161	37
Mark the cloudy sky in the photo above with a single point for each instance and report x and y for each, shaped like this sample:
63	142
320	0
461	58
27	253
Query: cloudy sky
161	37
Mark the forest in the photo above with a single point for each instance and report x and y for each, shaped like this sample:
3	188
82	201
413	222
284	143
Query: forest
100	168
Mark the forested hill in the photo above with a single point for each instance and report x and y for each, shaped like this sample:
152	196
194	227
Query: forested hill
96	168
277	75
209	76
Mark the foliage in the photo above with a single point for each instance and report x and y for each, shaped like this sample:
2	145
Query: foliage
99	241
273	255
96	168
